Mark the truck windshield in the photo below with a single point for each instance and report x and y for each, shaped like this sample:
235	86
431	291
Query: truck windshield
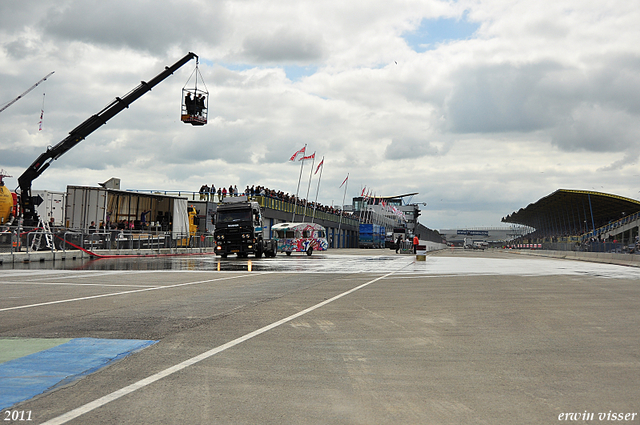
233	216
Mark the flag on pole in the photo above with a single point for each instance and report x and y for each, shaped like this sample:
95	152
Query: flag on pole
41	114
301	151
364	189
304	158
321	162
345	180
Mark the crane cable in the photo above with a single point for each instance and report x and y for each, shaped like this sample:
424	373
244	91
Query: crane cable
197	73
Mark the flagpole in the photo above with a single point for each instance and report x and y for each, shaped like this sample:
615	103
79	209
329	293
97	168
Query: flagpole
366	210
342	210
295	204
362	195
365	204
374	217
306	199
315	203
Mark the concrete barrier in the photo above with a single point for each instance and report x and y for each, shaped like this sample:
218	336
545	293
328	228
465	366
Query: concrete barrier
632	260
71	255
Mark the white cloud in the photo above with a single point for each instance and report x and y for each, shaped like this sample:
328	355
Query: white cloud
545	95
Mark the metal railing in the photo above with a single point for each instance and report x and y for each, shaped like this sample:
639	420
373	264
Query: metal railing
612	227
264	201
289	207
103	242
605	247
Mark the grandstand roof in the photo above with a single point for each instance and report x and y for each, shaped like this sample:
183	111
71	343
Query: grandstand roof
567	210
388	197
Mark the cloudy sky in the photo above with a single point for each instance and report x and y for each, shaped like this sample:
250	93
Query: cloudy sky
481	106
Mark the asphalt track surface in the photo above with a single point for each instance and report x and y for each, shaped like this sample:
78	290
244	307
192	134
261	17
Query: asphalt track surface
349	337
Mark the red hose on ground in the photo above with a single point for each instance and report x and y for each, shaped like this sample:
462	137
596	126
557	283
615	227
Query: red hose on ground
93	254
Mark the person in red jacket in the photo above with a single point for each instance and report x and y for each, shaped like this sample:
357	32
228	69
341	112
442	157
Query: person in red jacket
416	241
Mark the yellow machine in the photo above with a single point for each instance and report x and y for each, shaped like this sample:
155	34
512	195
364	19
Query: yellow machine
193	227
7	202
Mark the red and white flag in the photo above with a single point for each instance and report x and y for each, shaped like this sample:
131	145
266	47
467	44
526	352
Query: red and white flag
301	151
345	180
364	189
321	162
312	156
41	114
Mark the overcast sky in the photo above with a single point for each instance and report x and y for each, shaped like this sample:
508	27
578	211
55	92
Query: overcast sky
481	107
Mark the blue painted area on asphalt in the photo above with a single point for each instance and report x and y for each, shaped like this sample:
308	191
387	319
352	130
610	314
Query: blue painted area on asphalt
28	376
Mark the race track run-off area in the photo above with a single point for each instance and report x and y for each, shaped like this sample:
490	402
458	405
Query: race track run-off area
361	336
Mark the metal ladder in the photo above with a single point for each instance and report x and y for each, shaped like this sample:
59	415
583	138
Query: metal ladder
48	236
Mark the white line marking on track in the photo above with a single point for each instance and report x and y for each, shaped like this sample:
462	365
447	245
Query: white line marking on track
127	292
77	284
64	274
62	419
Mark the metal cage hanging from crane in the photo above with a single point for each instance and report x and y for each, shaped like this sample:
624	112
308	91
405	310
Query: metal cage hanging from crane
195	100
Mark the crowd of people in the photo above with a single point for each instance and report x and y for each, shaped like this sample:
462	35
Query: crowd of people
195	105
162	221
211	193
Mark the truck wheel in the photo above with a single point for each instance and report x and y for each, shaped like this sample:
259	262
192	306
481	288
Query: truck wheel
223	255
259	254
309	251
288	253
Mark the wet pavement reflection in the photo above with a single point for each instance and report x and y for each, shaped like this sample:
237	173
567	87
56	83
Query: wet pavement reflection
295	263
210	262
381	261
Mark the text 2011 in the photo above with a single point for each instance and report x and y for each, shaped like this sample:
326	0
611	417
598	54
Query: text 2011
17	415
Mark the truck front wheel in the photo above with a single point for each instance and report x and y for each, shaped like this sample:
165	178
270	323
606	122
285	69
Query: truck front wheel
309	251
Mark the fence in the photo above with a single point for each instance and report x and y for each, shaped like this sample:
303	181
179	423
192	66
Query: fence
605	247
290	207
609	247
109	242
